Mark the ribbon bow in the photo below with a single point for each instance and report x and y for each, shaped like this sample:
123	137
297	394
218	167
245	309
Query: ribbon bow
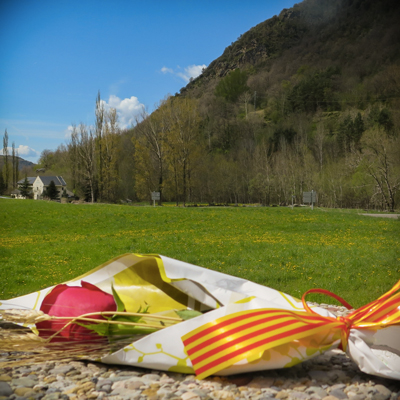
247	334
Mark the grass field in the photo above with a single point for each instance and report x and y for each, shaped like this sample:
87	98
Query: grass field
357	257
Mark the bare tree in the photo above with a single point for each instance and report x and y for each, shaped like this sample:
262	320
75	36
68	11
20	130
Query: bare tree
320	138
184	146
83	139
381	160
150	136
245	98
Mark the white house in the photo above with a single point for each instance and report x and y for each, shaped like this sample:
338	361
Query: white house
16	194
41	183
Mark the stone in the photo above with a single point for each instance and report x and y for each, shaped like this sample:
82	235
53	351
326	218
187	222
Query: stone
338	393
50	379
190	396
61	370
5	378
321	393
222	394
261	382
5	389
338	386
133	384
298	395
52	396
383	392
151	377
149	392
25	382
106	388
165	392
282	395
24	392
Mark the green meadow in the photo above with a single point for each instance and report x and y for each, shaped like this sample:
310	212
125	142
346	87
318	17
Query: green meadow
292	250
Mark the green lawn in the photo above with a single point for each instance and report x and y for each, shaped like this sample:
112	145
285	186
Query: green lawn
357	257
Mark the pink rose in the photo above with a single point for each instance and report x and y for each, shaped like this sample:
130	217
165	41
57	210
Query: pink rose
73	301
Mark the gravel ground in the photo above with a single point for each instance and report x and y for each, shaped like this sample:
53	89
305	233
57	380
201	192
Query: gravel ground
329	376
394	216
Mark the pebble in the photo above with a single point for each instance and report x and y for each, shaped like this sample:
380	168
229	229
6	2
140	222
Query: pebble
330	376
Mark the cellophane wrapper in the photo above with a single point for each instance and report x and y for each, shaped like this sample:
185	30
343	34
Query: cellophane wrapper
166	285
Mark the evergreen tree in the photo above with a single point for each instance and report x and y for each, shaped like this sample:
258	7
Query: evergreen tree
3	185
51	191
24	188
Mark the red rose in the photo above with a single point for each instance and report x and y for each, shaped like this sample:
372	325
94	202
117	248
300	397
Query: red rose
73	301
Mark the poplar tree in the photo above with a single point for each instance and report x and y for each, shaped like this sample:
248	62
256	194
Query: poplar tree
100	114
14	176
5	153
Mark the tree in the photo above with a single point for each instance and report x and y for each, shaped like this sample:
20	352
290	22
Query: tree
100	119
3	186
52	192
5	153
109	156
16	168
320	138
380	159
150	143
185	148
24	188
84	143
245	98
232	85
350	132
46	159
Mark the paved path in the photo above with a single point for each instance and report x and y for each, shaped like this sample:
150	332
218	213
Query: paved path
395	216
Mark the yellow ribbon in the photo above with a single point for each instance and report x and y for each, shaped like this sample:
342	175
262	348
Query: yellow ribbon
247	334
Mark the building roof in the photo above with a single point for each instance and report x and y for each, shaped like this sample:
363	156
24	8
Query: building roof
31	179
58	180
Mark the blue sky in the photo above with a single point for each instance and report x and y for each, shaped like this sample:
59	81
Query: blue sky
56	55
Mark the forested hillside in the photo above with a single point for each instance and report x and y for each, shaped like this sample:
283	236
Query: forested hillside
307	100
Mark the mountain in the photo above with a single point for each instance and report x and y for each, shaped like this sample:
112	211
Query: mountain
306	100
21	163
355	34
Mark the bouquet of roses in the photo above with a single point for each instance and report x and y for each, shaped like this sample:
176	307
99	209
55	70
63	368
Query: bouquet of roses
179	317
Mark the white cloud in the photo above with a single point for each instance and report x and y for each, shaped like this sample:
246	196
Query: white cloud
166	70
127	109
23	151
192	71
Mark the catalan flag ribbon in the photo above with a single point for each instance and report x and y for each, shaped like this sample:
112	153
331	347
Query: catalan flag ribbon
225	341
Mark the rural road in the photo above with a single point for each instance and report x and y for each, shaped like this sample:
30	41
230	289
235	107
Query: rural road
395	216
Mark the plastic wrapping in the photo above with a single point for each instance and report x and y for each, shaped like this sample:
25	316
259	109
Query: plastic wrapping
243	326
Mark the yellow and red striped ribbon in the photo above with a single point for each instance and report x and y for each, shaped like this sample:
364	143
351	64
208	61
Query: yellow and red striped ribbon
225	341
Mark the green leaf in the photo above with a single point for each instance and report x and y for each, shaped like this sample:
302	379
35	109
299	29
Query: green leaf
120	304
188	314
100	329
105	329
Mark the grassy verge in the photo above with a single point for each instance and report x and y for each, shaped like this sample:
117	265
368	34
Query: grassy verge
292	250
